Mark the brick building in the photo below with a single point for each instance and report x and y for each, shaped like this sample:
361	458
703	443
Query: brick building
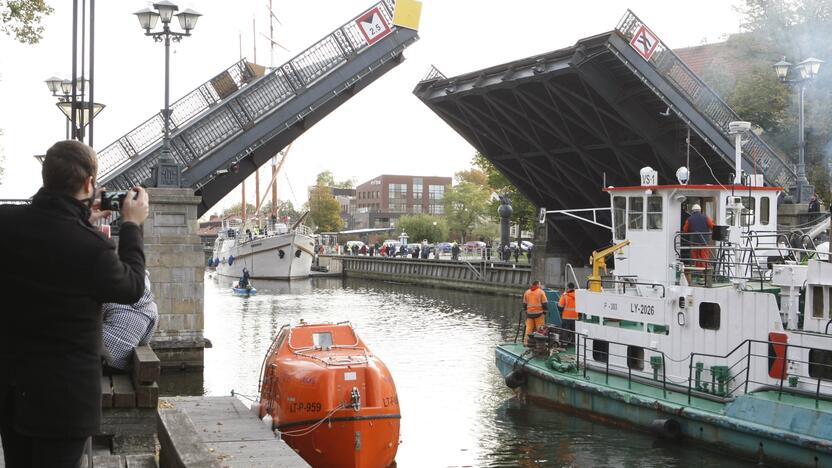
382	200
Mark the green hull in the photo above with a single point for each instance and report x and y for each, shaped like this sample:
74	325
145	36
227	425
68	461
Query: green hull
760	426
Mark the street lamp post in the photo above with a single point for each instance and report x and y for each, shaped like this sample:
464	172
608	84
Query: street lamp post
808	70
167	172
83	109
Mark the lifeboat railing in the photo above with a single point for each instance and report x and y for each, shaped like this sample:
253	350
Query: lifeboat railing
710	376
269	352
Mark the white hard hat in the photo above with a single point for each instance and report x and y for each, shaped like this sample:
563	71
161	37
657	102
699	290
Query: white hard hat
696	207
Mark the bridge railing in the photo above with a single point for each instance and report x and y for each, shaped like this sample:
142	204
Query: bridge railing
231	116
776	170
150	132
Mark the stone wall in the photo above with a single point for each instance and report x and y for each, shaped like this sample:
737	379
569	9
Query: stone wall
176	263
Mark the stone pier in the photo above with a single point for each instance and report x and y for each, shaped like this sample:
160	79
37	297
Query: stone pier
175	260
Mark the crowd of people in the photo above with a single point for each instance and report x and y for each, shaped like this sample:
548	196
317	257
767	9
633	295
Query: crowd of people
424	250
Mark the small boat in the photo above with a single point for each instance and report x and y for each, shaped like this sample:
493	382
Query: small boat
249	291
329	397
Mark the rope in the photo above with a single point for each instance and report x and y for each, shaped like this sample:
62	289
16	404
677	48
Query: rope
310	429
247	397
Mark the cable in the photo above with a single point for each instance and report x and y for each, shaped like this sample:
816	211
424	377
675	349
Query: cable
708	166
310	429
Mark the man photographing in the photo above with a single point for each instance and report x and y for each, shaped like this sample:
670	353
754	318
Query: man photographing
58	271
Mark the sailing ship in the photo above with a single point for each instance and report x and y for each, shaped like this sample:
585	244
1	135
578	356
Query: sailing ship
278	252
731	348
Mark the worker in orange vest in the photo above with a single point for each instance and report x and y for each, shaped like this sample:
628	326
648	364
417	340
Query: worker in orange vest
535	304
568	313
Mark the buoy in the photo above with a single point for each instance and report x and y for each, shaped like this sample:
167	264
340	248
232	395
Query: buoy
516	378
666	428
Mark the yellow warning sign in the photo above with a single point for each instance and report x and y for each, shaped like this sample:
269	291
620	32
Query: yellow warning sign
407	13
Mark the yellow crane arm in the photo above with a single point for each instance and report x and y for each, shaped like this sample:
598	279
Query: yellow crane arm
598	261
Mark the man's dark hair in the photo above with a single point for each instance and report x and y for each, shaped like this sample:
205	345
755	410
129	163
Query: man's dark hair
535	282
570	286
67	165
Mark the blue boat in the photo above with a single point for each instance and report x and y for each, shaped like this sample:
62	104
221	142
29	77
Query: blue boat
244	291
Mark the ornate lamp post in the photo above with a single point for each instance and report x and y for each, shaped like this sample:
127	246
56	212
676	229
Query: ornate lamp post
807	71
83	109
167	172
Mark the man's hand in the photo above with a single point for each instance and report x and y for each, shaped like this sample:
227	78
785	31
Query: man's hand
96	212
135	207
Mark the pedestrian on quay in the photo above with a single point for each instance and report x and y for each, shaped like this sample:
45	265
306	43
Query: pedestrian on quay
415	252
383	250
455	251
127	326
535	305
51	338
814	203
516	253
425	249
568	313
363	250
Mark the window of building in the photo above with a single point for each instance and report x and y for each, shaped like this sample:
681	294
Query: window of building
436	209
397	194
654	212
820	364
619	212
817	302
635	357
765	210
418	188
417	208
436	192
600	350
709	315
636	213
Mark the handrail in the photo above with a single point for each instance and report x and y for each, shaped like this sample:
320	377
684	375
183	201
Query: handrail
625	283
128	160
776	169
183	110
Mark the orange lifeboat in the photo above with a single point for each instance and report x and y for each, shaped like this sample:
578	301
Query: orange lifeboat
329	397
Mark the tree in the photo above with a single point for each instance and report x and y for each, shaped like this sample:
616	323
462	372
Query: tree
773	29
466	204
324	209
237	209
524	211
424	226
20	19
327	179
474	175
285	209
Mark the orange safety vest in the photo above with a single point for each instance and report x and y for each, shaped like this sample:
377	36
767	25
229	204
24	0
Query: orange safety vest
534	300
567	301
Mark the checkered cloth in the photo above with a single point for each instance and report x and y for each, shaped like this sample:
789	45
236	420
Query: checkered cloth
127	326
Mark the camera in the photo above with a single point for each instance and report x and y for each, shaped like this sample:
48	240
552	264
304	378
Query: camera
112	201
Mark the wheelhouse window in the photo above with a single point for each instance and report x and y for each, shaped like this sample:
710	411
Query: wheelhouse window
636	213
747	217
654	213
709	315
765	210
322	340
619	213
817	302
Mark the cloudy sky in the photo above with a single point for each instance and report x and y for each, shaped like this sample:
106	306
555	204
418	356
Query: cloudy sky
457	36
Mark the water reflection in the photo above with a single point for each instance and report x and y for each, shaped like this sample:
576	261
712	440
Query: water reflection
438	345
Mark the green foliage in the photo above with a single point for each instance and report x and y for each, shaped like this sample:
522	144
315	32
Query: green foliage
424	226
284	208
327	179
465	205
237	209
21	19
524	211
796	30
324	209
486	232
475	176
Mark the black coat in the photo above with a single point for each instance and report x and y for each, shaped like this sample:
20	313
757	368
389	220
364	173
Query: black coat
57	270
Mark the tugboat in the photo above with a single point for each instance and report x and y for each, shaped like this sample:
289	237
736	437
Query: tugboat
329	397
731	348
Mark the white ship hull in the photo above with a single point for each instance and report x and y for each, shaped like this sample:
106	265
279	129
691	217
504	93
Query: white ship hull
282	256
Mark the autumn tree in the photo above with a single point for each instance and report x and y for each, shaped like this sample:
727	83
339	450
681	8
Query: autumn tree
466	204
424	226
21	19
237	210
324	209
327	179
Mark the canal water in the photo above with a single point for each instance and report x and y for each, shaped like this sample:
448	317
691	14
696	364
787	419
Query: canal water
439	346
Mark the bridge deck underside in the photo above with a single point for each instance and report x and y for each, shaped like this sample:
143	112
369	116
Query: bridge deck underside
562	125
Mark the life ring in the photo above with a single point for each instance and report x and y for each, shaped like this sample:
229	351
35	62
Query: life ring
230	260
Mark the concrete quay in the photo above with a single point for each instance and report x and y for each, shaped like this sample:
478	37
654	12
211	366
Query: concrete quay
491	277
